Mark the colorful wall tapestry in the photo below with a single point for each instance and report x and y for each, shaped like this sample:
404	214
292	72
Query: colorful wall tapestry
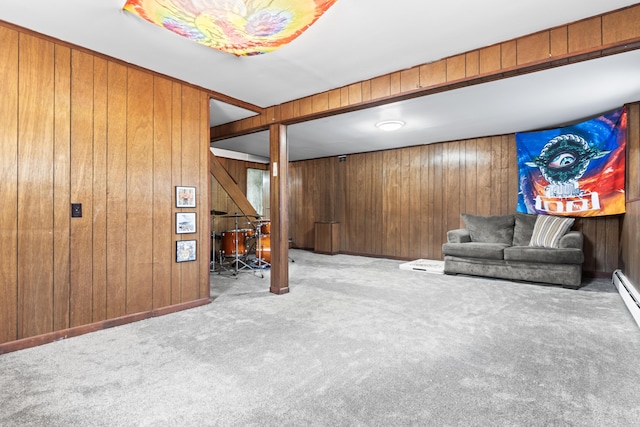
240	27
577	170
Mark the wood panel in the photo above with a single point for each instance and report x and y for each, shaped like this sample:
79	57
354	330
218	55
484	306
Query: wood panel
433	74
139	192
62	189
630	250
483	177
357	172
620	25
456	68
9	187
470	174
176	178
116	190
533	48
584	35
414	202
630	235
425	206
437	192
390	203
204	231
633	152
99	214
451	207
191	177
35	186
377	199
162	192
558	41
489	59
472	64
410	79
81	285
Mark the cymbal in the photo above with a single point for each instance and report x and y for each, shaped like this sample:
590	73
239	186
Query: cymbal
215	212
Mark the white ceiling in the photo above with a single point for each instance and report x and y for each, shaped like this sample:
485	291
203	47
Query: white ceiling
356	40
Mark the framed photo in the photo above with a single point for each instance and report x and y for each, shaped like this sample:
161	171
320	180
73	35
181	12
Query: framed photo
185	250
185	197
185	222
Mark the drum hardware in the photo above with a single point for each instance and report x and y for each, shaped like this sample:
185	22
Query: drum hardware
236	247
263	249
214	236
245	248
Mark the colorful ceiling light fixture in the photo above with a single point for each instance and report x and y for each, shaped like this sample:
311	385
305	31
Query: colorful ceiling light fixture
240	27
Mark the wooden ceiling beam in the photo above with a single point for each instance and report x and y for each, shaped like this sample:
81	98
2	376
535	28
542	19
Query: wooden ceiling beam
599	36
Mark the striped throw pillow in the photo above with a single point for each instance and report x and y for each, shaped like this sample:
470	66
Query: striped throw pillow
548	230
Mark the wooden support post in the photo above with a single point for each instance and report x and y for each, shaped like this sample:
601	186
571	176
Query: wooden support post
279	209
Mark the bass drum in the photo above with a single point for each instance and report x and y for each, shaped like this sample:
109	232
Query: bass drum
263	248
233	239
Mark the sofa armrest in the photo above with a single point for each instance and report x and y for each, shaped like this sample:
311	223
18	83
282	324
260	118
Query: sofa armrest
460	235
573	239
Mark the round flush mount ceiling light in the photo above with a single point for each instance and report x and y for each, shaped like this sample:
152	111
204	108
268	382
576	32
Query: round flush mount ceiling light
390	125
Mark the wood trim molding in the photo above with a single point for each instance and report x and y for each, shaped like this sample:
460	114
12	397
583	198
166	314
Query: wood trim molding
97	326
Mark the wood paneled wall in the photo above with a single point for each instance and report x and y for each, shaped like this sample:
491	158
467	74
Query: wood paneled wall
400	203
80	128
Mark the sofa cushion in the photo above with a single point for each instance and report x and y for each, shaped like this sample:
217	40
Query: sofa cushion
490	229
523	228
543	255
475	250
548	230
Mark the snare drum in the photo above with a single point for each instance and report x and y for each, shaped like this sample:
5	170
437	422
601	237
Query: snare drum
263	248
233	239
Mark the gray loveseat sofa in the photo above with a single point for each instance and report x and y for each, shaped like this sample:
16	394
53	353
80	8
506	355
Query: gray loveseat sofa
535	248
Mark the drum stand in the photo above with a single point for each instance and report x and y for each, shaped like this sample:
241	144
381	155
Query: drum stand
259	263
239	262
212	257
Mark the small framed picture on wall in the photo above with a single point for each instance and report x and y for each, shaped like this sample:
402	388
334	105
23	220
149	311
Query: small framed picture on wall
185	197
185	250
185	222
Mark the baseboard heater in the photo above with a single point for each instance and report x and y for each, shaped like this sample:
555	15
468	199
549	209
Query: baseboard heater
628	293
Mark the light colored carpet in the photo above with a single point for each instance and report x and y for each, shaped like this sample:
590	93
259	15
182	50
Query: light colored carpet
357	342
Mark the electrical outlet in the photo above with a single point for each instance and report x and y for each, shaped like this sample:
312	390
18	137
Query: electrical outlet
76	210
